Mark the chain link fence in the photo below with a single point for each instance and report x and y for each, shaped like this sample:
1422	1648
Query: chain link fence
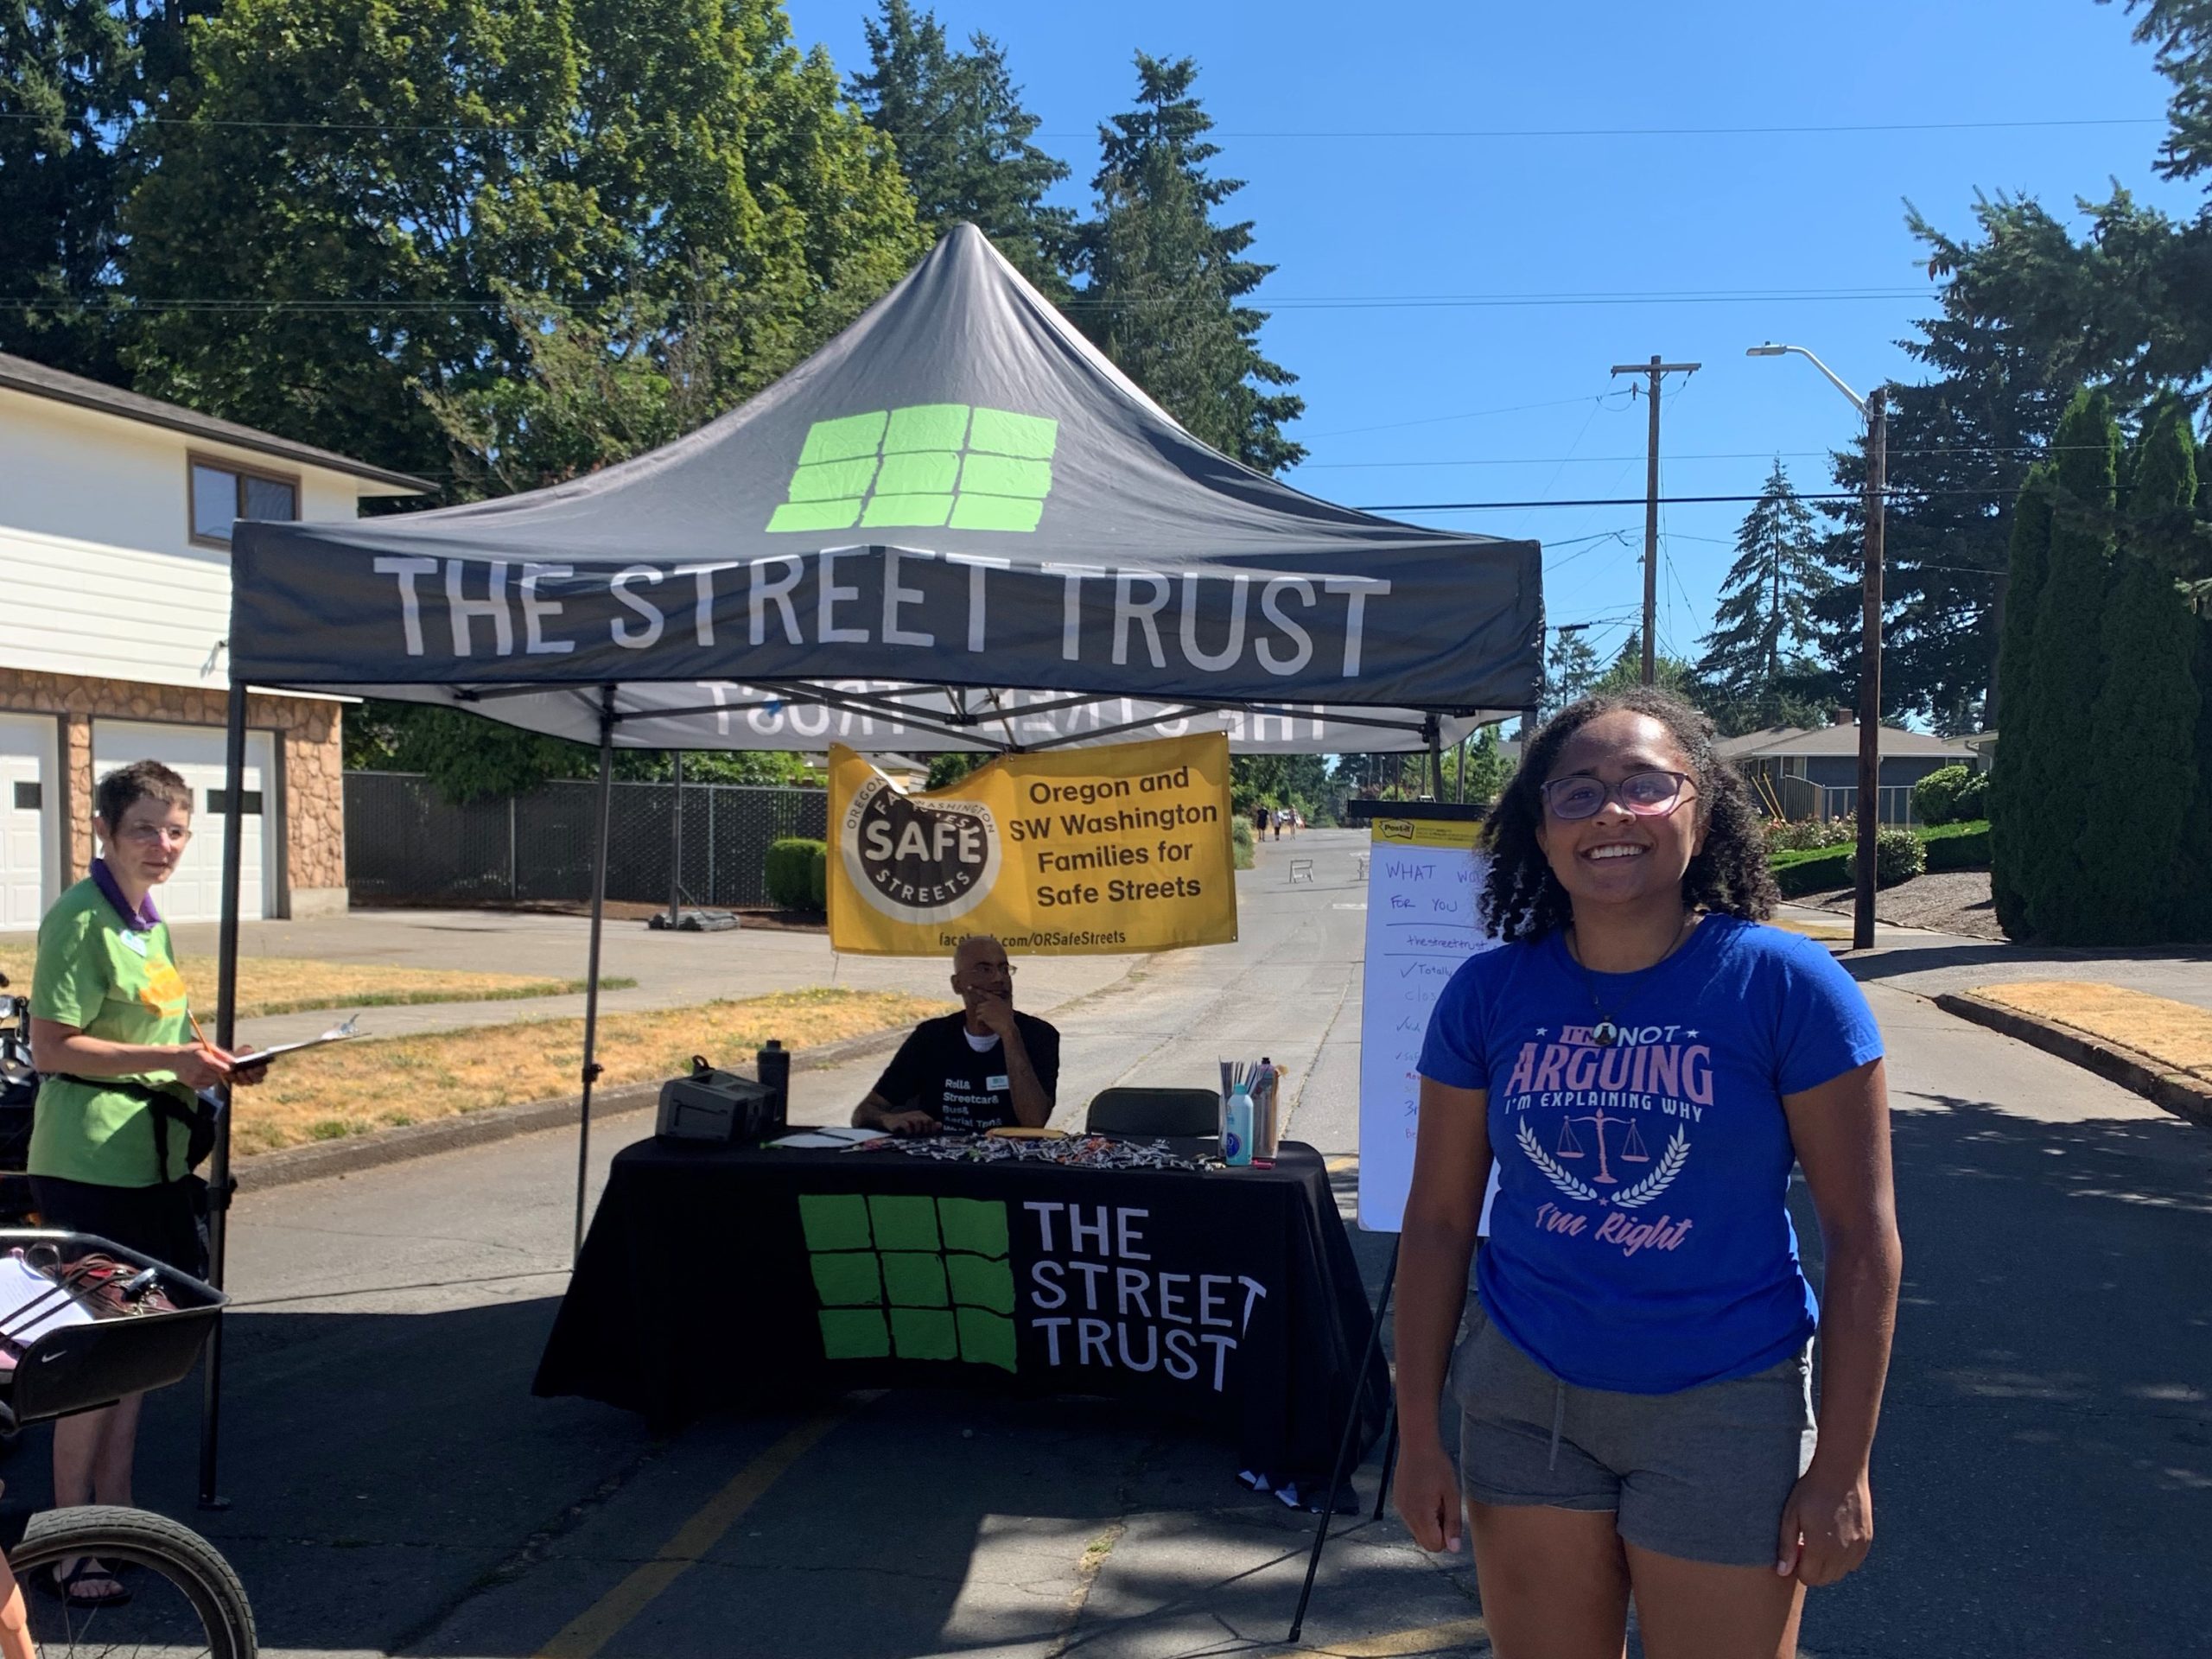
405	843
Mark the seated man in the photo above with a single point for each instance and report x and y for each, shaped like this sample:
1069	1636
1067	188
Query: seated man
976	1070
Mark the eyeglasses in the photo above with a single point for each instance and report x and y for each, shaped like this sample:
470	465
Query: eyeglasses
1643	794
993	969
151	834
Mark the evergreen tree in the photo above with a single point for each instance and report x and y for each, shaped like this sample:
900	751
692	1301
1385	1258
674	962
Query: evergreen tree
962	138
2145	715
1165	282
69	82
2066	668
1569	672
2012	812
1763	633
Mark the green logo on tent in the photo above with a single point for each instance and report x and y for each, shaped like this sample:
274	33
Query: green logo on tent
921	1277
926	466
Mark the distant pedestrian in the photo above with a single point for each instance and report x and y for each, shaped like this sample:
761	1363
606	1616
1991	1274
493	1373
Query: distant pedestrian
1260	819
1640	1064
1280	816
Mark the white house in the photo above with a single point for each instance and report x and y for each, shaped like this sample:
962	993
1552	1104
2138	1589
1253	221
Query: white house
114	521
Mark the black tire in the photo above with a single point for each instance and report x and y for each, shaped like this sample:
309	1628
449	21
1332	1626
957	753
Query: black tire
186	1601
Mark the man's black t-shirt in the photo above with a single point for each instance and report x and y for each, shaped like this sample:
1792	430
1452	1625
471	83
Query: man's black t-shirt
938	1071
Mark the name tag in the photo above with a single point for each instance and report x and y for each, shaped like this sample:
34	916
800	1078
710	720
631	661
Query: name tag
997	1083
132	942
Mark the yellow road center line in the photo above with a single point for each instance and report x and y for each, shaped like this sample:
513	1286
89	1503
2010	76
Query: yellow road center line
1400	1645
605	1619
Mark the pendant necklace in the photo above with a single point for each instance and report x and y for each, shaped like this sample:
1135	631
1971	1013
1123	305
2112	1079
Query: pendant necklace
1607	1031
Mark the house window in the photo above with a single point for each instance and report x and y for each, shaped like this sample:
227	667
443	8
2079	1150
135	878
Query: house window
219	801
223	491
1793	765
29	797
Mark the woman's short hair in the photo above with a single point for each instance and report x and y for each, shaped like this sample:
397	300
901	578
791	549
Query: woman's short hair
141	780
1522	900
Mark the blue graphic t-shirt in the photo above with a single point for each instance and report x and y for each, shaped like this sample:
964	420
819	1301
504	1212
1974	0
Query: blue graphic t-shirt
1641	1242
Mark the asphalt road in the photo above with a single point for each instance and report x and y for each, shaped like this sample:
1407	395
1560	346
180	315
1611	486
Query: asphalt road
2043	1476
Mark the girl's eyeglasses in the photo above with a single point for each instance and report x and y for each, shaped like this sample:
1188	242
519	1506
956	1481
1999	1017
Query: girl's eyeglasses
1643	794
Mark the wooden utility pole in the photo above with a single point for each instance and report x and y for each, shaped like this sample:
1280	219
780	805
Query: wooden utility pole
1655	369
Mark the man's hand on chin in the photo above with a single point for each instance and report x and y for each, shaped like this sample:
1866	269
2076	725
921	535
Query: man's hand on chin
997	1015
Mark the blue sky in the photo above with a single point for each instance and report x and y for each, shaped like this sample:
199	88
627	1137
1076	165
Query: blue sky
1350	221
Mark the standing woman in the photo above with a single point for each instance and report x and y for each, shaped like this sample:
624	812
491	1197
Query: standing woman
111	1037
1645	1063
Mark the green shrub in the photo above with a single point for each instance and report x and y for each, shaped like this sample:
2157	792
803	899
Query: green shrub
1935	797
1240	842
1898	856
1819	869
798	874
1971	802
1958	846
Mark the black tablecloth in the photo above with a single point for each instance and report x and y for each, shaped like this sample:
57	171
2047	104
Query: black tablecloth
722	1277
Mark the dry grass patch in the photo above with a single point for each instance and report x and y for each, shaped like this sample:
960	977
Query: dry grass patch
371	1083
2178	1035
291	984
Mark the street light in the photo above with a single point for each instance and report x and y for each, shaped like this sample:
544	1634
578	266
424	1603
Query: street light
1870	637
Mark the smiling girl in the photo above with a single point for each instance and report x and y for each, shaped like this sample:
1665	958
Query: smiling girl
1645	1063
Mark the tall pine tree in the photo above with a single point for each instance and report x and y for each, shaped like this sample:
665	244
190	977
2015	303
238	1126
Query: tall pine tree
1165	282
1760	649
2011	808
962	138
1571	669
2145	714
2067	668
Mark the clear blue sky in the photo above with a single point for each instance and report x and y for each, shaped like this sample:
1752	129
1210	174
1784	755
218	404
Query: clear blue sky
1384	218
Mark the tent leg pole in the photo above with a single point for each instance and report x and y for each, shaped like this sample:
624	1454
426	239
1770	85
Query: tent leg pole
226	1005
591	981
676	848
1341	1470
1435	734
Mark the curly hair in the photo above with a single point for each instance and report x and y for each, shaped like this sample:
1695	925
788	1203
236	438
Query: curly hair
1522	900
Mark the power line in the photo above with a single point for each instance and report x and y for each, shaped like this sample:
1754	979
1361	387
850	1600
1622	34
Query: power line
1470	414
455	304
1743	455
1308	134
1664	501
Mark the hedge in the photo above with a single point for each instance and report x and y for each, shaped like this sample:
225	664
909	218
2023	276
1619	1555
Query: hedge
1949	847
798	874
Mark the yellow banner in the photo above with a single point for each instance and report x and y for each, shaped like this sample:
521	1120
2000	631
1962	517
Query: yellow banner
1426	832
1070	853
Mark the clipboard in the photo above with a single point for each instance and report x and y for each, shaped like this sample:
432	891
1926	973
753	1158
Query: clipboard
262	1057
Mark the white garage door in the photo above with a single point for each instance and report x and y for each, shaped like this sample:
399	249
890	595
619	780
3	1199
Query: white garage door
194	893
29	847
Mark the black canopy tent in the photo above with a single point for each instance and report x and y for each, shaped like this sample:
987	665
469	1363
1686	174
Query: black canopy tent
956	526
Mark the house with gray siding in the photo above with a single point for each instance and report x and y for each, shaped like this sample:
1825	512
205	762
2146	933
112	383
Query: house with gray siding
1813	771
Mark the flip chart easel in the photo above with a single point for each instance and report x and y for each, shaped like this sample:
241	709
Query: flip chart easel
1425	872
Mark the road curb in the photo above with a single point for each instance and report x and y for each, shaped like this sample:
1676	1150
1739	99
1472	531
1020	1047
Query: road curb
326	1158
2177	1091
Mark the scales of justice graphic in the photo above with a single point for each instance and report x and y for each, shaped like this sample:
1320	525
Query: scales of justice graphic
1632	1152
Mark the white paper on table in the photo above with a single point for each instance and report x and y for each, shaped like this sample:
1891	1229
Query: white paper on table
821	1139
19	1288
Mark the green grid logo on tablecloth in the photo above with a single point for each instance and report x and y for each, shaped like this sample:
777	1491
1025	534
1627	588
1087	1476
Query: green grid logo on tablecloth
928	466
919	1278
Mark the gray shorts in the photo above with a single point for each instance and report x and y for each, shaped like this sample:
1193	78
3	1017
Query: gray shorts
1701	1475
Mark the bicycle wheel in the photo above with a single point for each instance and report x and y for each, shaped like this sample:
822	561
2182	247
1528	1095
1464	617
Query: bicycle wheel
186	1603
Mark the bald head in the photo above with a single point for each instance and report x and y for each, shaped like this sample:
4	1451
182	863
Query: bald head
980	969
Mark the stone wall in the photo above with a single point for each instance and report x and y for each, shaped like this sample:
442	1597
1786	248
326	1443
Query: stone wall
312	762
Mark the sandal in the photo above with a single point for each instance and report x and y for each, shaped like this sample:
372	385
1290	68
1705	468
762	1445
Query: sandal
62	1587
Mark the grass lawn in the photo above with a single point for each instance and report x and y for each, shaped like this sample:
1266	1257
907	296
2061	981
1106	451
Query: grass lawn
290	984
2178	1034
354	1088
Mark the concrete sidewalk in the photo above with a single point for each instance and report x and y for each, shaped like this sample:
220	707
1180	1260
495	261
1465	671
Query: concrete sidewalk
1929	964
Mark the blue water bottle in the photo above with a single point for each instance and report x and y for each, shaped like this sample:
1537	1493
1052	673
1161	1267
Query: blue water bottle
1236	1129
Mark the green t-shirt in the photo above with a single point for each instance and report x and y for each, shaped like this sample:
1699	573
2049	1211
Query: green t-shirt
98	976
